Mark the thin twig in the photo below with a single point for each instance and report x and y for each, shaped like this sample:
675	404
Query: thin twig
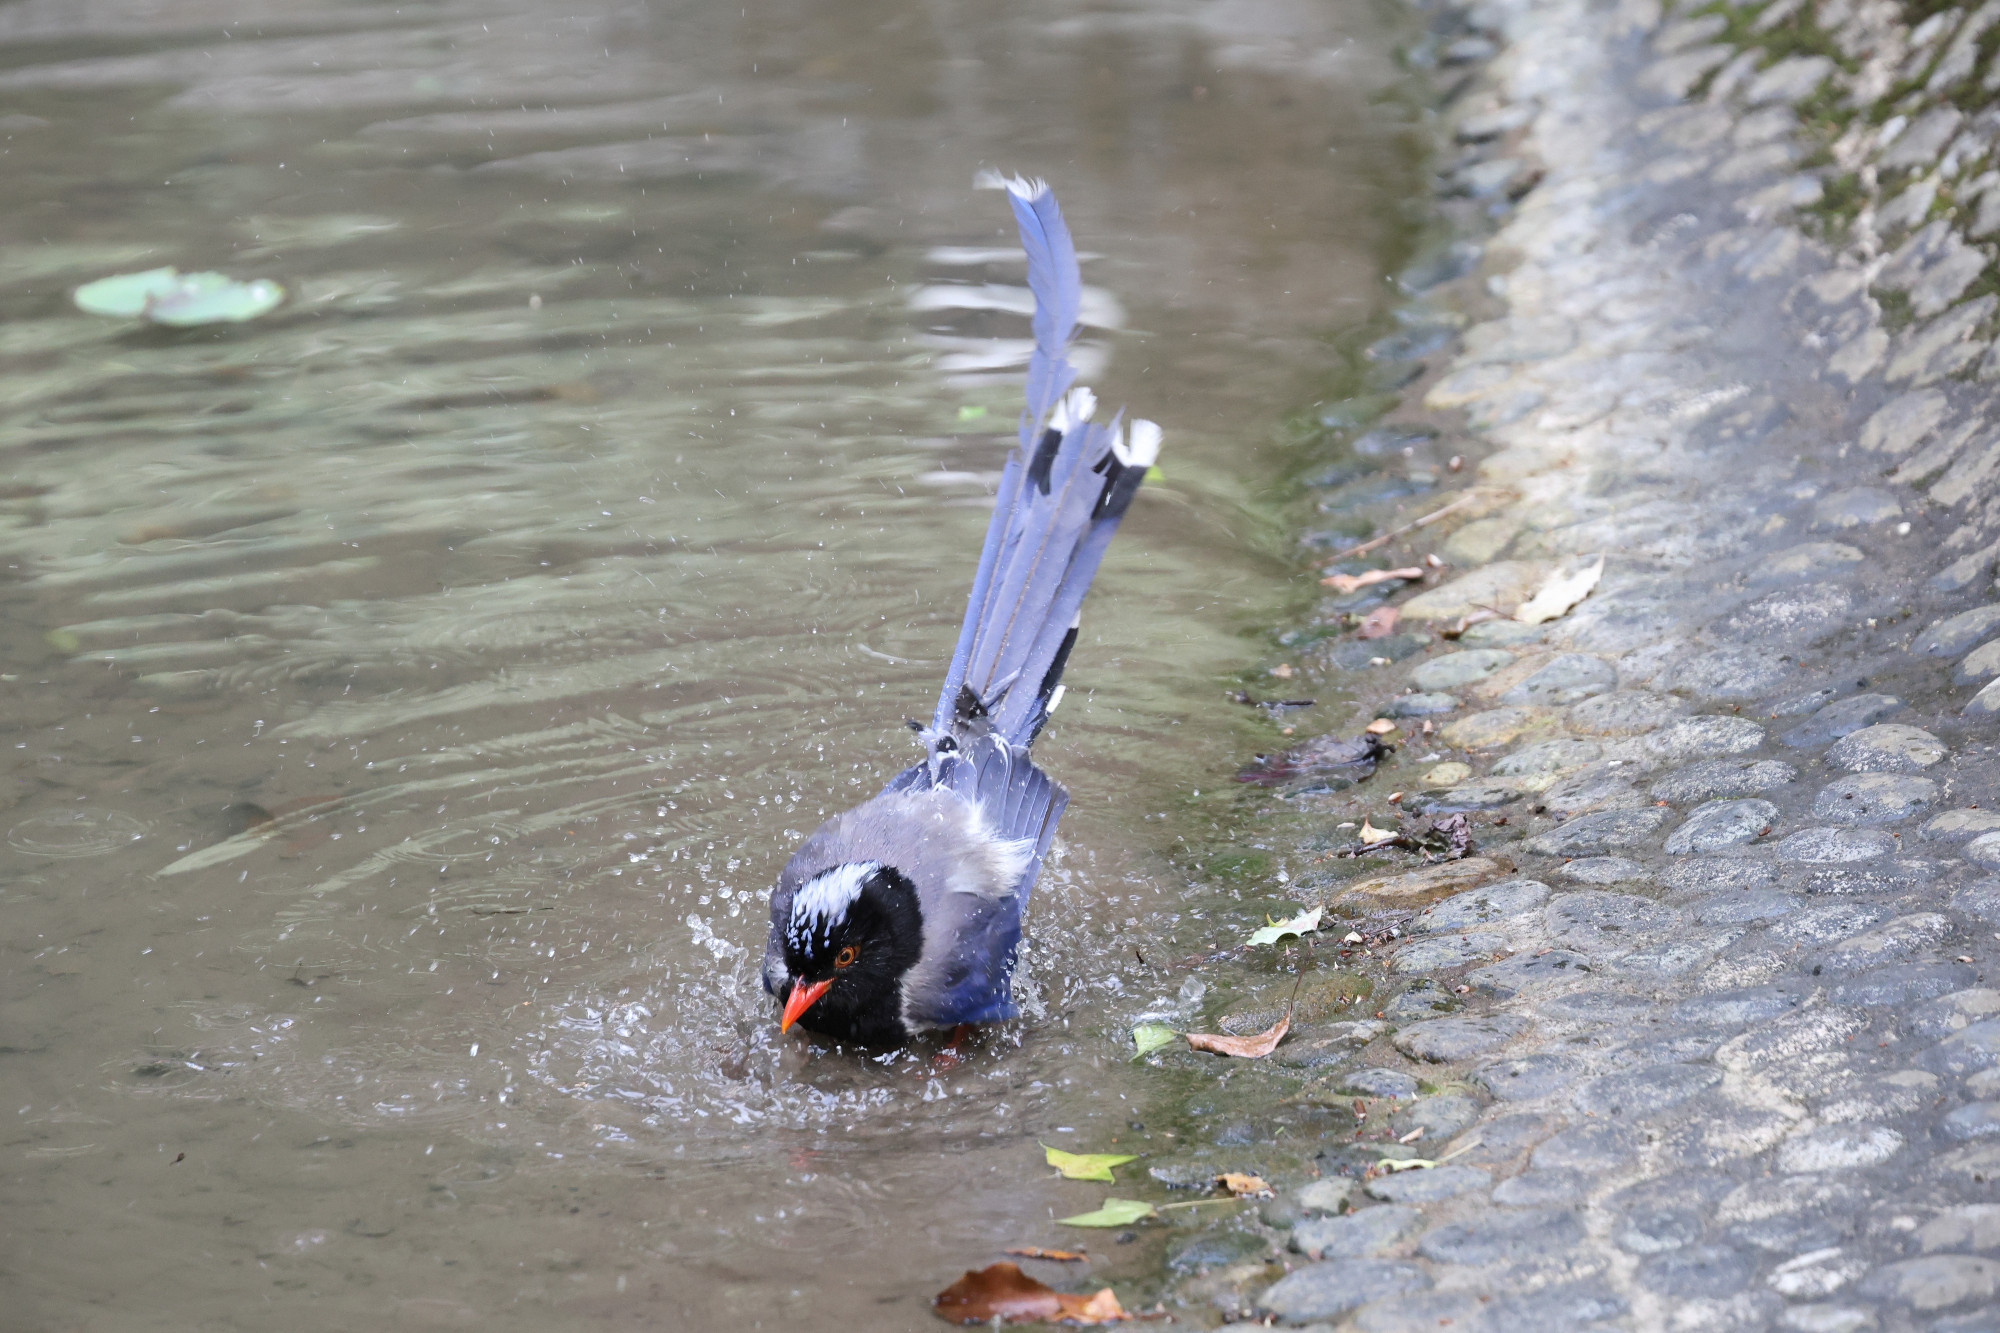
1424	522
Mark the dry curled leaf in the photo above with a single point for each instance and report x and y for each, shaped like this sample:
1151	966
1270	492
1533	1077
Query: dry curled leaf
1346	583
1060	1256
1381	726
1002	1291
1246	1186
1248	1048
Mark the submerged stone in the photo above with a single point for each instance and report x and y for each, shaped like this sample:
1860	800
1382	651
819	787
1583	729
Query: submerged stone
1720	824
1888	748
1874	798
1710	778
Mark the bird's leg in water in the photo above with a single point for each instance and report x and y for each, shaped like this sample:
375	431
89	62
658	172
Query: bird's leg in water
951	1055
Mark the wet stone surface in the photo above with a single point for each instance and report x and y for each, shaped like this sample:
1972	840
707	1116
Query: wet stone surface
1722	1049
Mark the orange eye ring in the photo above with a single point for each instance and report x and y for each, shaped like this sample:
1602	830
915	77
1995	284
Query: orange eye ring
847	957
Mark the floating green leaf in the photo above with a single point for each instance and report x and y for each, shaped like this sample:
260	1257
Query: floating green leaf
1114	1213
1085	1165
971	412
179	300
1278	930
127	295
1150	1037
1153	473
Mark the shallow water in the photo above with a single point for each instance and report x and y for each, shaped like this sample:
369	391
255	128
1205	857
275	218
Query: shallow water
409	697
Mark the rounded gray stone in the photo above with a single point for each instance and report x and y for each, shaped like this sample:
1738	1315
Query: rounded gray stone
1625	713
1371	1081
1887	748
1529	972
1603	870
1565	679
1984	851
1902	983
1874	798
1838	1148
1599	832
1706	874
1484	905
1799	616
1986	703
1438	953
1443	1040
1540	1189
1694	737
1859	507
1980	665
1719	824
1515	1235
1731	673
1936	1281
1754	1004
1958	825
1213	1249
1429	1186
1841	718
1950	637
1335	1286
1557	756
1529	1078
1980	900
1439	1117
1595	1006
1711	778
1594	920
1832	846
1974	1120
1593	1146
1473	796
1697	1271
1596	787
1743	907
1357	1235
1460	668
1644	1092
1419	705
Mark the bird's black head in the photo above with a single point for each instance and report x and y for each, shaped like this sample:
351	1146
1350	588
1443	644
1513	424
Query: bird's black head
851	934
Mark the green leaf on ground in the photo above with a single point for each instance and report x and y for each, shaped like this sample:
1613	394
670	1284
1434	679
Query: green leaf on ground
1150	1037
1114	1213
971	412
1278	930
1086	1165
179	300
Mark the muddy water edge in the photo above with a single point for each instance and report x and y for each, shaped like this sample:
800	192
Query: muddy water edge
409	697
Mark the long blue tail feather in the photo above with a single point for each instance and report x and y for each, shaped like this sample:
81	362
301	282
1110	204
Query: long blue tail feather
1061	497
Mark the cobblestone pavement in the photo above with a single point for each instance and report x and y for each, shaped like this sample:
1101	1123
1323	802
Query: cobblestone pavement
1706	1033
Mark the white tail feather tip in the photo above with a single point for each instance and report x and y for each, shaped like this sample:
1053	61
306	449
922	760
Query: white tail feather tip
1143	449
1056	697
1077	406
1029	188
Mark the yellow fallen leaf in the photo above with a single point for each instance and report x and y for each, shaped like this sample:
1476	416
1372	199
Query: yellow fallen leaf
1372	835
1563	590
1245	1186
1085	1165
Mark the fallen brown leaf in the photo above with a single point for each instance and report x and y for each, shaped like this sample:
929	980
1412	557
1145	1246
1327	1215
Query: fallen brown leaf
1245	1186
1346	583
1379	623
1060	1256
1381	726
1248	1048
1002	1291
